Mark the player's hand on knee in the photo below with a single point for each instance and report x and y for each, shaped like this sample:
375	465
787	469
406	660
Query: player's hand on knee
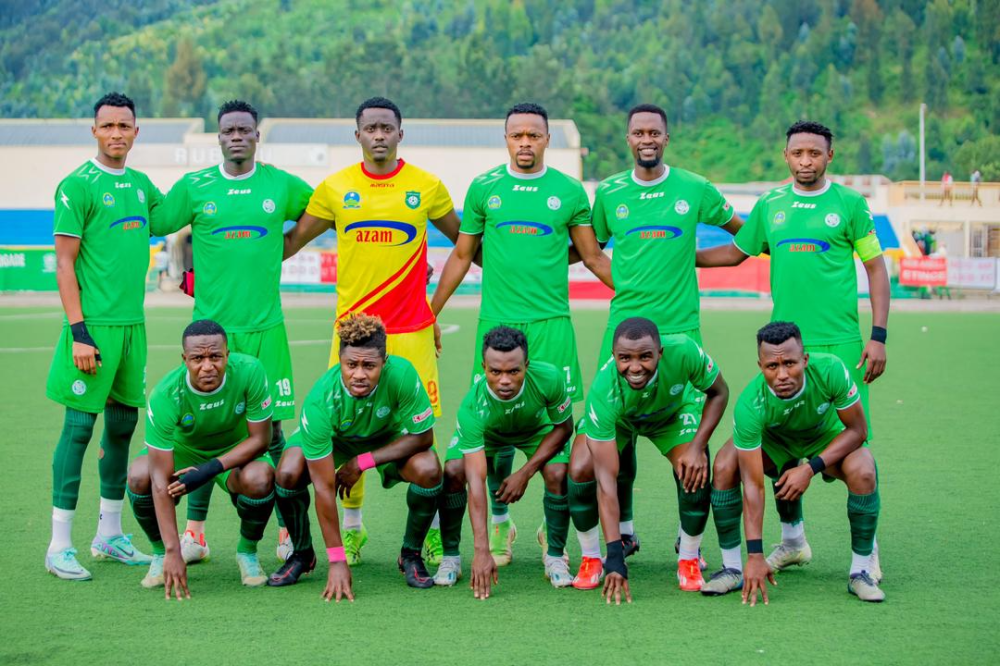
347	476
338	583
692	469
616	587
512	488
793	483
755	576
175	577
484	574
86	358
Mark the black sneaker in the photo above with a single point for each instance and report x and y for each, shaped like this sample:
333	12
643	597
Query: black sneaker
630	544
412	565
294	567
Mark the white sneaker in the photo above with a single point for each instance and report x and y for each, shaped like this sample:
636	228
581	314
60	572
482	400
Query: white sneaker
876	567
251	573
154	577
285	548
449	572
557	571
194	549
784	556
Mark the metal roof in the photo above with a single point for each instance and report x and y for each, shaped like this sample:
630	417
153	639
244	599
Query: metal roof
76	132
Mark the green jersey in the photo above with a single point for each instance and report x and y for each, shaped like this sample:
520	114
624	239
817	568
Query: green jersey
524	220
331	416
811	237
109	211
209	424
653	225
612	404
798	423
542	402
236	224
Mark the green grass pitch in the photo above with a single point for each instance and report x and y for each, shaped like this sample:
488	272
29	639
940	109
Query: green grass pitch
937	428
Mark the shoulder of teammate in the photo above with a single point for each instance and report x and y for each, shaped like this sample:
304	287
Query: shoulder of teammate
834	379
73	203
154	197
416	412
163	409
249	372
748	415
701	367
299	191
324	198
551	383
474	209
580	206
603	404
315	421
438	199
713	208
751	239
598	214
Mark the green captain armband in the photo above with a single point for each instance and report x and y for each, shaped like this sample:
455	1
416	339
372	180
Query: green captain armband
868	247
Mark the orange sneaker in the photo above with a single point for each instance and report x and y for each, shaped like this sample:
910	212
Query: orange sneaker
590	574
689	575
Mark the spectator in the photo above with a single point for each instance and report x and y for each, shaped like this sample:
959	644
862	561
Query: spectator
975	179
946	184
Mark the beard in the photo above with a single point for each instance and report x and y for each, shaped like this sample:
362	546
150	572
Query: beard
649	164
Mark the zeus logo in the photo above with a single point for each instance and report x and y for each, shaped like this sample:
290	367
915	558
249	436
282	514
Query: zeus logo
805	245
137	222
382	232
656	231
241	232
526	228
799	204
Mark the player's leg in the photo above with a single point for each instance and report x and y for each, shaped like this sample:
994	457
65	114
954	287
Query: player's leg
425	478
794	549
693	508
859	472
251	489
194	547
555	505
451	509
581	487
291	490
140	495
352	529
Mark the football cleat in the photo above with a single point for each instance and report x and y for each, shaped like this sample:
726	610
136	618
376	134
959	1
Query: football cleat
433	548
251	573
411	564
723	581
630	544
876	567
557	571
702	563
285	548
542	534
590	574
863	587
449	572
501	540
117	548
64	565
296	566
353	542
689	575
154	577
784	556
194	548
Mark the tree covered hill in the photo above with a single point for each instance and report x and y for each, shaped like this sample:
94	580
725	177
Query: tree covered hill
732	74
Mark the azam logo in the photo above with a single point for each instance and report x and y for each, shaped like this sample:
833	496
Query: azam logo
676	389
268	206
241	407
210	208
681	207
79	387
352	200
832	220
382	412
621	212
493	203
141	195
108	200
554	203
413	200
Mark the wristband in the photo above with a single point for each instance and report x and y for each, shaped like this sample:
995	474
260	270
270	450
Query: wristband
366	461
82	335
817	464
336	554
879	334
201	474
615	561
755	546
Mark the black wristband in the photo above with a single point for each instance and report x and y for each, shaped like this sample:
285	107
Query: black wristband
615	561
817	464
201	474
879	334
81	334
755	546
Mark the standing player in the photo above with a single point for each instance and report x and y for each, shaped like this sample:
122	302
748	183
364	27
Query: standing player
524	214
101	227
652	213
812	227
380	209
209	419
512	404
370	410
782	418
646	389
237	211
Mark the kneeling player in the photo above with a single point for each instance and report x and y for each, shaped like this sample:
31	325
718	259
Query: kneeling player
369	410
644	389
785	428
209	419
511	404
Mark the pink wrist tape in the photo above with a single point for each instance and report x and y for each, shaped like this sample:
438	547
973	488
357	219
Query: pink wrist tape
336	554
366	461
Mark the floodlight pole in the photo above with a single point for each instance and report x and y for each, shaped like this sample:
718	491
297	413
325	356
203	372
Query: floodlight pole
923	164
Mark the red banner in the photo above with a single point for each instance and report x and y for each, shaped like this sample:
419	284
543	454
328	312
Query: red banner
923	271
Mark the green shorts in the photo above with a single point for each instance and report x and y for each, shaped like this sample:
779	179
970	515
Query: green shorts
184	458
609	335
549	340
121	376
850	354
271	348
783	457
679	430
390	473
493	448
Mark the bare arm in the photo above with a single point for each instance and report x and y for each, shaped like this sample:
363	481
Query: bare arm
605	456
692	466
86	357
733	225
589	250
455	269
161	471
305	230
449	225
324	479
757	570
721	255
878	291
512	488
400	449
251	448
484	569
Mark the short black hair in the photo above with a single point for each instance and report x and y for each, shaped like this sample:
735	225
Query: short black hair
203	327
115	99
636	328
378	103
647	108
237	106
362	330
505	339
529	108
810	127
777	332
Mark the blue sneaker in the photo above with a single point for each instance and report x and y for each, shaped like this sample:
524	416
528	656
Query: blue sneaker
118	548
251	573
64	565
154	577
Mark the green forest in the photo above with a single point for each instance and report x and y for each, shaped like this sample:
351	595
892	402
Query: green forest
731	74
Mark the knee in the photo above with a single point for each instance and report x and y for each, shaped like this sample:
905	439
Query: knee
289	472
861	477
454	476
555	478
138	476
257	480
725	469
427	469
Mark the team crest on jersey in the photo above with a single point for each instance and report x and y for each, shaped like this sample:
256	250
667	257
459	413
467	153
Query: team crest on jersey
779	217
352	200
141	195
240	408
832	220
493	203
682	207
554	203
621	212
676	389
268	205
79	387
382	411
210	208
822	408
187	420
108	199
413	200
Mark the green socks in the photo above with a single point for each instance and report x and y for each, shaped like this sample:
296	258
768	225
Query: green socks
197	502
627	469
254	514
788	512
583	504
293	508
693	508
67	462
452	510
556	509
274	449
862	512
727	508
503	465
112	465
145	515
422	504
